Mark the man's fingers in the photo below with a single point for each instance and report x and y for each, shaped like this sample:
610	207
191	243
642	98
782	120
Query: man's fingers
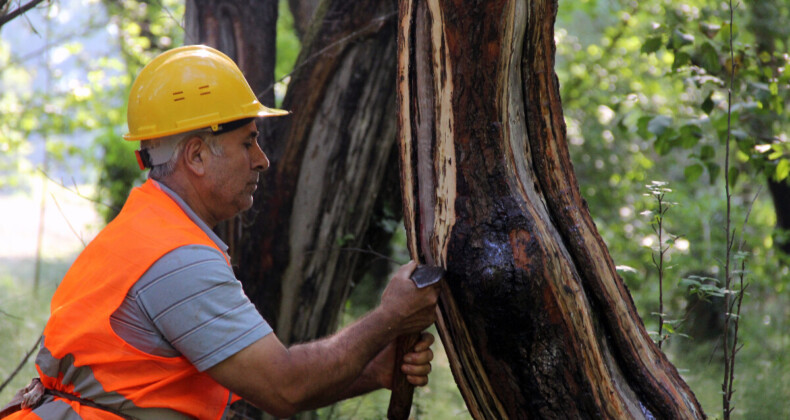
417	380
416	370
417	363
406	269
426	339
419	358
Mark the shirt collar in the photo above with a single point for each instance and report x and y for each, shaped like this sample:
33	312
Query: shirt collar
193	216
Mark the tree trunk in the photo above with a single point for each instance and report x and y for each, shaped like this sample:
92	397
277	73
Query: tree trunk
302	11
536	321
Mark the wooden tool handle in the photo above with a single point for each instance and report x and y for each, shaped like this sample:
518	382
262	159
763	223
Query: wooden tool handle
402	390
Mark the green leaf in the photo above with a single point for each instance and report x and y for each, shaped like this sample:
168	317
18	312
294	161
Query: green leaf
707	152
709	58
733	176
745	145
724	34
642	126
782	170
665	142
659	125
708	105
719	122
651	45
681	39
693	172
713	171
690	134
709	29
711	290
681	59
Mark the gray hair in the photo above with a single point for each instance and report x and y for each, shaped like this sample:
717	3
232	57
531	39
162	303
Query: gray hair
161	171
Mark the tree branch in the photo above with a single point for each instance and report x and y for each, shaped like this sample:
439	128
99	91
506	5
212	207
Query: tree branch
18	12
22	363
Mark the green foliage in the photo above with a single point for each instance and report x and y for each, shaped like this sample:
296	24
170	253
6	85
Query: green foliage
145	30
288	46
702	286
644	94
117	173
40	104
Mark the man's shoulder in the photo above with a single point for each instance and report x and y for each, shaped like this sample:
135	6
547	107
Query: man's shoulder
194	300
187	262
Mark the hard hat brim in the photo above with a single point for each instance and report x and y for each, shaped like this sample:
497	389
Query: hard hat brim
263	112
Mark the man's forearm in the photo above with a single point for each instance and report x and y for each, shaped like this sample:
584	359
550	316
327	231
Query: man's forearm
284	381
334	367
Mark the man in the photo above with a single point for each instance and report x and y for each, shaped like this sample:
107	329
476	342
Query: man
150	322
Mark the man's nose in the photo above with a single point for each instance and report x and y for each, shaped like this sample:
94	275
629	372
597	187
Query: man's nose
260	162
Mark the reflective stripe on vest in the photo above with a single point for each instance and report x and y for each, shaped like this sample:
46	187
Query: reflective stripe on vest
82	355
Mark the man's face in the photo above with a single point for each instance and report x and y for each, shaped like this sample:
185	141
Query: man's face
233	177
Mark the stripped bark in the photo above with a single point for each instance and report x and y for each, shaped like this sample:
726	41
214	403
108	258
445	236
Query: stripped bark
536	320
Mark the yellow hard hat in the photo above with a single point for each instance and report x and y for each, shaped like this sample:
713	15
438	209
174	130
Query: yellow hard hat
189	88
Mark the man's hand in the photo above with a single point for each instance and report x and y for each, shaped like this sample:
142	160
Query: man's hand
416	364
283	381
413	308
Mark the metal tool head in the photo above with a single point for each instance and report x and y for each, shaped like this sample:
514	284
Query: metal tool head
426	275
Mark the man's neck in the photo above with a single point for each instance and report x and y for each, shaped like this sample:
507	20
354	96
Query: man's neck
187	191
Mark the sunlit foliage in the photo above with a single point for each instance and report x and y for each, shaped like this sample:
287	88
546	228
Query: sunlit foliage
644	89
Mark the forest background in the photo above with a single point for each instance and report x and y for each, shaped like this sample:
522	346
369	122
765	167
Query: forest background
644	90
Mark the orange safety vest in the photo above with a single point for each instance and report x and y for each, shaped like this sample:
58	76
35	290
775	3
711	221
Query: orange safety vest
150	225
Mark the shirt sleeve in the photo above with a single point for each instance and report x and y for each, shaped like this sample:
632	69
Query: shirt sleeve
199	307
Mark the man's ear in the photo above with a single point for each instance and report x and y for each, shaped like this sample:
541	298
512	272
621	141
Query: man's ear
193	155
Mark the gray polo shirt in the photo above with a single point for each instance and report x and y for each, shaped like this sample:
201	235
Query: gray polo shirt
189	303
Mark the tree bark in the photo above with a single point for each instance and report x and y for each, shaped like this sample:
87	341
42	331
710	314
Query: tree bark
302	11
536	321
328	160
